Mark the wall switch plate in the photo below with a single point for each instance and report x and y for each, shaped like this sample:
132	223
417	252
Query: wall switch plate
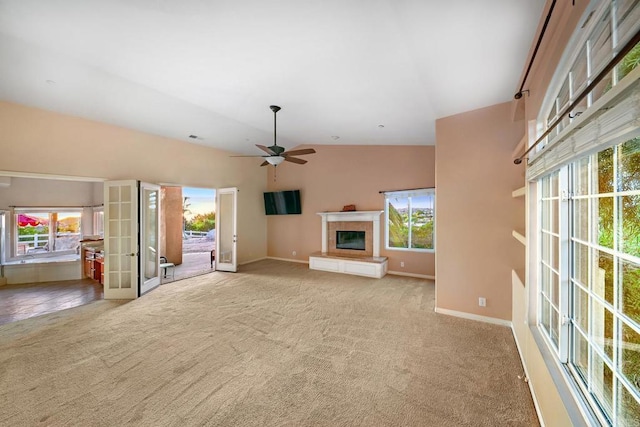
401	263
294	253
482	302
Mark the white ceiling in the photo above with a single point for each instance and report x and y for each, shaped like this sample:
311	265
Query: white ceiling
212	67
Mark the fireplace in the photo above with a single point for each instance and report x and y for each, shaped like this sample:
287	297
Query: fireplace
350	240
350	244
366	223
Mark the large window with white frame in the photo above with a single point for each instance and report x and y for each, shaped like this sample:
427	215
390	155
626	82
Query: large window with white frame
589	276
587	225
410	220
40	232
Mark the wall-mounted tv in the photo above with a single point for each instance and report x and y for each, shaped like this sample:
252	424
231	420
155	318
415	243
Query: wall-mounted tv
282	203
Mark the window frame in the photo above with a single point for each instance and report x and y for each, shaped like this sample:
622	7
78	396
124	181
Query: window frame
98	221
15	236
409	194
560	357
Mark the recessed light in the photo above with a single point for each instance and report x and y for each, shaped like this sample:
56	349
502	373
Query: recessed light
335	137
380	126
51	82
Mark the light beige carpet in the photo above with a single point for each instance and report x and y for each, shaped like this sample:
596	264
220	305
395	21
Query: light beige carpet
273	345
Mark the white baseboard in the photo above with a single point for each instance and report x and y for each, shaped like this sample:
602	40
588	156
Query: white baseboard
475	317
419	276
301	261
253	260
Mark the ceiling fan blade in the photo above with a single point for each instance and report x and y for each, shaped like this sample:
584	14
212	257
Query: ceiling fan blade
266	150
295	160
299	152
257	155
265	163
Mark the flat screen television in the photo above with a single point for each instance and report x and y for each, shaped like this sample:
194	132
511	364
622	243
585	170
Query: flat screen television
282	202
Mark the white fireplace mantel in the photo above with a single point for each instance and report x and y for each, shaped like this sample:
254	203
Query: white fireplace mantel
373	216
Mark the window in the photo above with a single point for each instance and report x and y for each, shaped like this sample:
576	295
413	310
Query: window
98	221
612	24
41	232
589	274
409	216
587	227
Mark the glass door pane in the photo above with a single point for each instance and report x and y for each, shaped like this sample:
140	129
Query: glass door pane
150	213
121	239
226	230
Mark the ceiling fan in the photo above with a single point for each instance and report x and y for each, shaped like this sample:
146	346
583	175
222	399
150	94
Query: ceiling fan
276	153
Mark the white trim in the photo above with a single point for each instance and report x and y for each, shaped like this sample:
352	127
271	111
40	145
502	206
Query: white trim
527	378
301	261
475	317
253	260
373	216
50	176
519	192
519	237
351	216
419	276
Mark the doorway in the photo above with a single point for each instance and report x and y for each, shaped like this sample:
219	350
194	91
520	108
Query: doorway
189	224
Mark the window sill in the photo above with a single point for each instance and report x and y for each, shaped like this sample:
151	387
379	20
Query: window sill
428	251
579	413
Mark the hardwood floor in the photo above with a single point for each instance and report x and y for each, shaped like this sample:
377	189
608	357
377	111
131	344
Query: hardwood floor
19	302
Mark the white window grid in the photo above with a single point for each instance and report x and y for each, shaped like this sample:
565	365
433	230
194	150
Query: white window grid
549	256
618	20
569	335
610	24
603	347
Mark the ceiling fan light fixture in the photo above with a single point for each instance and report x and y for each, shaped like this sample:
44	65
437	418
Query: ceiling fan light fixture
275	160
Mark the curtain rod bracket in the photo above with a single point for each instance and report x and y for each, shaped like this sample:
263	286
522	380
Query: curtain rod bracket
594	82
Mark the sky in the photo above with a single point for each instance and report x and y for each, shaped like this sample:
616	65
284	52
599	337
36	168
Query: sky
202	200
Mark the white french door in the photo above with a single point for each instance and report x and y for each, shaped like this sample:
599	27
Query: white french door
149	237
226	232
131	238
121	239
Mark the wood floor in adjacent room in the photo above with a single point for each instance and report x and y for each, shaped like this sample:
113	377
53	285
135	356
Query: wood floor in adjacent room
18	302
275	344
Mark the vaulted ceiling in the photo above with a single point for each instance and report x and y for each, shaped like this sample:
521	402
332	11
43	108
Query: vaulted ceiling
343	71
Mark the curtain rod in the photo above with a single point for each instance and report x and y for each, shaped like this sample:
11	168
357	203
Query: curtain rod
610	65
54	207
535	51
408	189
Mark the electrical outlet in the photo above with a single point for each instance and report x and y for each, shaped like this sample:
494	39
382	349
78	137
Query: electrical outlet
294	253
482	302
401	263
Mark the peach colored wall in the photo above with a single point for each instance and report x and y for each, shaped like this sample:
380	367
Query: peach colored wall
341	175
171	223
67	145
565	18
474	211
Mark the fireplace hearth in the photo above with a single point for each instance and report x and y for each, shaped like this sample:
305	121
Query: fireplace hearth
350	244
